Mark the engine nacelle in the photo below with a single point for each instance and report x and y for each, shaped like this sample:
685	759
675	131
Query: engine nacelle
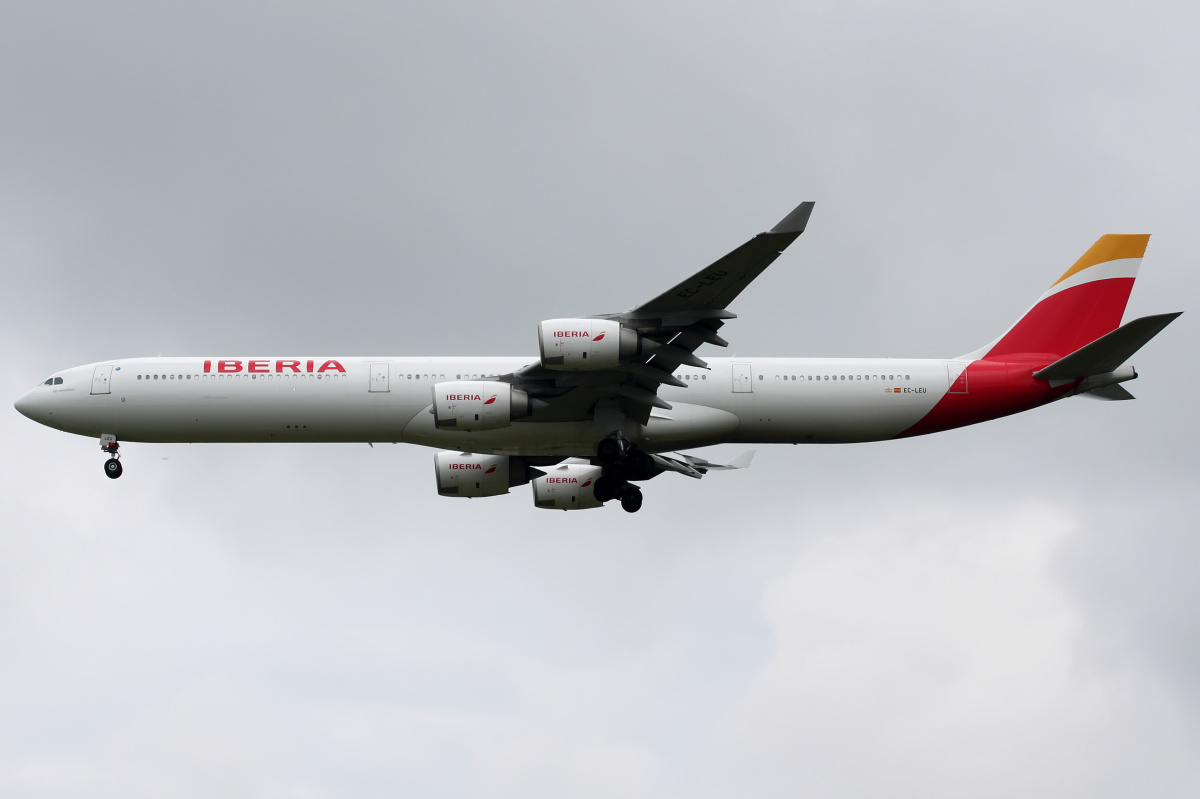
586	344
478	405
465	474
570	486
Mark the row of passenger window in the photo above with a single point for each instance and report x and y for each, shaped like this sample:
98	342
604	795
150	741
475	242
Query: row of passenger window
810	377
443	377
893	378
284	376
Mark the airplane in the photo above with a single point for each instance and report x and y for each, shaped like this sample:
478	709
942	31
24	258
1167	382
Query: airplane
610	400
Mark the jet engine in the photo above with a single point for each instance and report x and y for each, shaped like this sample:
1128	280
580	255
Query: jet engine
587	344
465	474
478	405
569	486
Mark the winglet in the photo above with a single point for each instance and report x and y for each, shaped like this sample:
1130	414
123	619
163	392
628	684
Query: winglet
742	461
796	221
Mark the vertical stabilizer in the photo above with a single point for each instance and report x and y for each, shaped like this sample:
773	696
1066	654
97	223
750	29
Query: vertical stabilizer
1084	304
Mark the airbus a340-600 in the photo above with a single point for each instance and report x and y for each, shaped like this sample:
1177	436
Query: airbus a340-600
611	400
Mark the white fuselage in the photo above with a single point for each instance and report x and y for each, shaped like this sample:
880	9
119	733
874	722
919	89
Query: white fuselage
760	400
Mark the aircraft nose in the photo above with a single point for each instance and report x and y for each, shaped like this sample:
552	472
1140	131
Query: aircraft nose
29	405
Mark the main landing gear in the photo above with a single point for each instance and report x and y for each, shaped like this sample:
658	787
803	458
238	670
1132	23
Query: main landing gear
109	446
622	462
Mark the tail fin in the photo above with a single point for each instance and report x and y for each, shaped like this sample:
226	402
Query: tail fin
1084	304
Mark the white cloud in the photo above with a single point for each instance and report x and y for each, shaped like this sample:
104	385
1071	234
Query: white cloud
925	648
209	739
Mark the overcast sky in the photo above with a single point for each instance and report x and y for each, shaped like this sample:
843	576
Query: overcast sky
1006	610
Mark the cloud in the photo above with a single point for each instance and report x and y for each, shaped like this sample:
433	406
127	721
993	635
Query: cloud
926	648
210	738
1003	609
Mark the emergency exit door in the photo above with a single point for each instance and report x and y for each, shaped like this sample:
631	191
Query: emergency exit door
101	379
379	377
956	375
743	378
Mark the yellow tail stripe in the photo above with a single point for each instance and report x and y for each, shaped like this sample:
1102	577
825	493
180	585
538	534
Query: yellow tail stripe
1112	247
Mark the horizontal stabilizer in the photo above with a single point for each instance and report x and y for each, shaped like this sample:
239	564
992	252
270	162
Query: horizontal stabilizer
1113	392
1109	351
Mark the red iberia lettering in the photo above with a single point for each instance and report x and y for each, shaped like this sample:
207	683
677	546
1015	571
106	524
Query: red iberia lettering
310	367
561	480
207	367
229	366
465	466
571	334
331	365
258	366
281	365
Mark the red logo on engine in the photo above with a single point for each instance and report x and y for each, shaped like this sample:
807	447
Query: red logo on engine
599	337
491	399
489	471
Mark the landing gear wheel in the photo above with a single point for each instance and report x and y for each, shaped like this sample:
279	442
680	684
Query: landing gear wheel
606	488
112	468
608	450
631	498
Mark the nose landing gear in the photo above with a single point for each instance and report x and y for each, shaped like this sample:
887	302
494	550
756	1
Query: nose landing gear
110	446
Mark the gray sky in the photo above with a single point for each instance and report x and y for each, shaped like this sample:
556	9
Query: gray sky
1002	610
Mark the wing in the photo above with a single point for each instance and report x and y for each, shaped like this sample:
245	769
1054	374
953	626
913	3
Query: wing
675	324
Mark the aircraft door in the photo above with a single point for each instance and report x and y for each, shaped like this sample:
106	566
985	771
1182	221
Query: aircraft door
743	378
379	377
956	373
101	379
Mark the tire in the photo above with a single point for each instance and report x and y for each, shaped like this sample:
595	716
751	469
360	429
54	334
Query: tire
639	464
608	450
112	468
606	488
631	499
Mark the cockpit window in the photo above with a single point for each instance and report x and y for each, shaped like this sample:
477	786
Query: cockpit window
58	381
49	381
